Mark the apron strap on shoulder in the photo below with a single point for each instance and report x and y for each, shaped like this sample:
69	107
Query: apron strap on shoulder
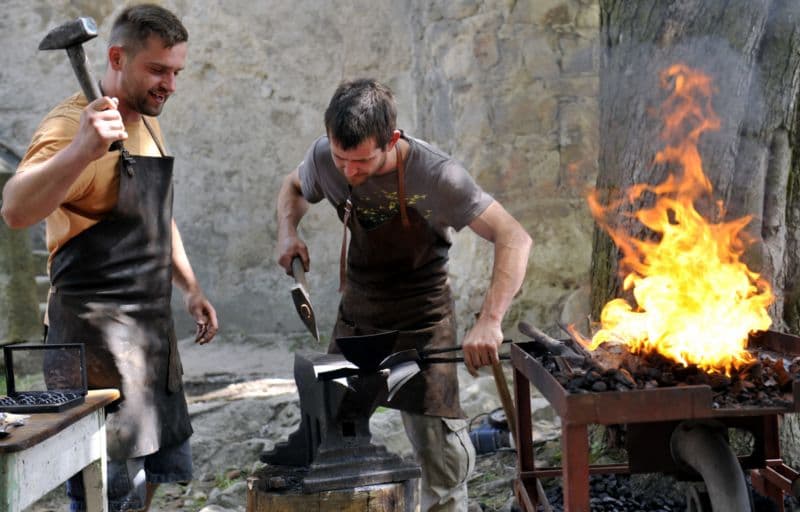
348	209
401	186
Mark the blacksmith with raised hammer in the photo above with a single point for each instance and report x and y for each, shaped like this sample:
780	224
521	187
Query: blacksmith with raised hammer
399	197
114	247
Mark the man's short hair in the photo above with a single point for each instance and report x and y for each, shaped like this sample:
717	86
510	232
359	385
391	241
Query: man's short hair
137	23
361	109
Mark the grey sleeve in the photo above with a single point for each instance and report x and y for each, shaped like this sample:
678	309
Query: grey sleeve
310	176
460	199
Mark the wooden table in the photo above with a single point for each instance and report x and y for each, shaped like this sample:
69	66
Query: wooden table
51	447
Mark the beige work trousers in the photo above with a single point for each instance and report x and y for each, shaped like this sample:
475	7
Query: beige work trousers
445	453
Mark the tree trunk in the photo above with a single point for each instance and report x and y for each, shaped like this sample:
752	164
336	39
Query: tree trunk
751	49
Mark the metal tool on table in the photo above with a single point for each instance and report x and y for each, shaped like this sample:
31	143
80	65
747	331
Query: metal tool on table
569	349
9	420
70	36
302	302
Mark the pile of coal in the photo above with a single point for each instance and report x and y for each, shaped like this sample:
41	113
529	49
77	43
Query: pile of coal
765	382
618	493
613	493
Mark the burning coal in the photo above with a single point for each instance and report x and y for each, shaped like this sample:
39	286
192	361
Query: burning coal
696	302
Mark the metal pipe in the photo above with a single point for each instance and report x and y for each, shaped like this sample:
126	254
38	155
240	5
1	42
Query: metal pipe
704	447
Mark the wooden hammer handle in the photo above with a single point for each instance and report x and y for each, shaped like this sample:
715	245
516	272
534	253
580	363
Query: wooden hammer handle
505	399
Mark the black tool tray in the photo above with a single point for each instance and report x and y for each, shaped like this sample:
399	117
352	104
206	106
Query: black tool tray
43	378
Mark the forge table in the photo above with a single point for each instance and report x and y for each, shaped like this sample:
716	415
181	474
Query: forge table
51	447
650	415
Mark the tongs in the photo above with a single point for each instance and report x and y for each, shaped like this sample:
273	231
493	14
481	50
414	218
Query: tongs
423	356
405	364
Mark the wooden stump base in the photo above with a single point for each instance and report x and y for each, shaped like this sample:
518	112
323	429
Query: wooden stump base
388	497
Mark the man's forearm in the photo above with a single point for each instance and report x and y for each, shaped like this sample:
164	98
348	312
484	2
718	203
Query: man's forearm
182	273
512	246
291	206
511	251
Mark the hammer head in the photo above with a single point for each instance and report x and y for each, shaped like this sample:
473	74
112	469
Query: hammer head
69	34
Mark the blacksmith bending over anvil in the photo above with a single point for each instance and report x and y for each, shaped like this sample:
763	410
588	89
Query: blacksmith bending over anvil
115	251
399	196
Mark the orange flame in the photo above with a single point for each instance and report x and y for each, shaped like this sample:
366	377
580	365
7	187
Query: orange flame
696	301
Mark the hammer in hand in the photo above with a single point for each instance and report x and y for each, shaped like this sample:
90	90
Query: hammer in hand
70	36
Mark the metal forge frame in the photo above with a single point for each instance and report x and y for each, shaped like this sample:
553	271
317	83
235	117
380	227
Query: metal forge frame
650	416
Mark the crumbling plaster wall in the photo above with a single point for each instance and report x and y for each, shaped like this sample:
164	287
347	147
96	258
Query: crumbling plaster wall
509	87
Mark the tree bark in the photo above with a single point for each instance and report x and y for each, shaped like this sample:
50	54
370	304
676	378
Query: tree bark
751	49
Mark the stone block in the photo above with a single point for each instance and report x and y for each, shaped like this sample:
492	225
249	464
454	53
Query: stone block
543	172
588	16
540	12
540	57
579	55
584	85
522	113
454	9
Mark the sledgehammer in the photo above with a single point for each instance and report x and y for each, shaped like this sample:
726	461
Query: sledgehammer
70	36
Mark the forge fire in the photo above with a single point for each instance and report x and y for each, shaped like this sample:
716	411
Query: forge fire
695	301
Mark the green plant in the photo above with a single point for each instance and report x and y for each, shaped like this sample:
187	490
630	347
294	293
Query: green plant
605	445
199	504
224	480
22	382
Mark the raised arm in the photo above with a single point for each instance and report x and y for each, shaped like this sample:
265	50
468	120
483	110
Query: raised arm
32	195
512	246
290	209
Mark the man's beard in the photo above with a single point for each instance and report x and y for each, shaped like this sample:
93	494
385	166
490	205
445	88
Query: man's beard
145	107
143	103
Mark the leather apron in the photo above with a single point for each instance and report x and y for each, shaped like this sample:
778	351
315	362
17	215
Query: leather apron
111	289
396	279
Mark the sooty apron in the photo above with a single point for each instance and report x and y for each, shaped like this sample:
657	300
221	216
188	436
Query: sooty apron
396	279
111	288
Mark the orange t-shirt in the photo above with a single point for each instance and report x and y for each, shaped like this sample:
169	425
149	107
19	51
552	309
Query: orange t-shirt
95	191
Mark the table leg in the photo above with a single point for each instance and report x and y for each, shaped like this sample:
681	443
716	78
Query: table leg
575	454
525	488
94	475
772	450
524	427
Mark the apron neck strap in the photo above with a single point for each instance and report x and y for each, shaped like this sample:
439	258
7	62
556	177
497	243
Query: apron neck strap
348	210
153	136
401	185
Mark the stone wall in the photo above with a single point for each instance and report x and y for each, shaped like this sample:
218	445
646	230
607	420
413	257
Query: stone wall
19	310
508	87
